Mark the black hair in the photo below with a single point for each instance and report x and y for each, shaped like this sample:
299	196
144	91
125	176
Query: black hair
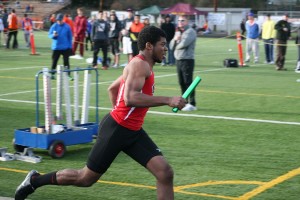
150	34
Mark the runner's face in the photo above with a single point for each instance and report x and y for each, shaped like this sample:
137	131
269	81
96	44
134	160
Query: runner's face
159	50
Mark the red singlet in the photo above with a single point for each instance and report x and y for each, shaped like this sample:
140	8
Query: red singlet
132	117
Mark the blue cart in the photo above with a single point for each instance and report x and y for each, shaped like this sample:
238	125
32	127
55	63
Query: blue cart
56	143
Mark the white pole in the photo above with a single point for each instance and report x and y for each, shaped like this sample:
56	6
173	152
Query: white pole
47	100
67	100
59	93
86	97
76	98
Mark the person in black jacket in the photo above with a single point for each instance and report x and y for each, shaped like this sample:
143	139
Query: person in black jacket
169	29
283	34
99	34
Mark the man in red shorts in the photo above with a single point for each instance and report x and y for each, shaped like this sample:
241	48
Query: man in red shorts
121	130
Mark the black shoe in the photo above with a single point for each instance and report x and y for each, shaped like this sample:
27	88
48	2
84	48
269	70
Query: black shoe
25	188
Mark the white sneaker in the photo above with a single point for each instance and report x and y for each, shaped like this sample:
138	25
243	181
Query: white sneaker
115	66
189	107
297	70
79	57
271	63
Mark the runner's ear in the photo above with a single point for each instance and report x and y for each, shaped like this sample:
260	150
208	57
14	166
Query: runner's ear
149	46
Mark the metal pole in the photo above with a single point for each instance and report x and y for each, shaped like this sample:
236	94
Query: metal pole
215	10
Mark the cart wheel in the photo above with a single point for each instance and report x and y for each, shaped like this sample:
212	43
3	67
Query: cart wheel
57	149
17	147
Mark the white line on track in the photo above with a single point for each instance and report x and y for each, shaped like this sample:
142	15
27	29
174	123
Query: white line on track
20	68
107	82
183	115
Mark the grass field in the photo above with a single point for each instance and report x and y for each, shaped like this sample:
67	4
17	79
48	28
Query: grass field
241	143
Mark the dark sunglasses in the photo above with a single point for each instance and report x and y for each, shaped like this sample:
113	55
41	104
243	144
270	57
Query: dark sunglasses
181	20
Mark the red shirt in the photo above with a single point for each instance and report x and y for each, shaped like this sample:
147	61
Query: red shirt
80	25
132	117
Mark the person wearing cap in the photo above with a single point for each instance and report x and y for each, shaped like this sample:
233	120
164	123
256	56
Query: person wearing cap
79	32
283	28
268	35
61	36
252	39
169	29
135	28
115	28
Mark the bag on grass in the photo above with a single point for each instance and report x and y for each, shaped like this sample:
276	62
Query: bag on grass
230	62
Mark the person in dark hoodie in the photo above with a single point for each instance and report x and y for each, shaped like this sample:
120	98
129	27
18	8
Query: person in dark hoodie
283	34
61	36
169	29
100	39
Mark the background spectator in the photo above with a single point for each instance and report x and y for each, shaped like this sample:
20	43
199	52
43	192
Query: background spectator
27	27
283	34
79	32
169	29
12	29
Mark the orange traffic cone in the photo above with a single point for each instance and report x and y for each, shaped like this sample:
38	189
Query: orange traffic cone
33	52
240	48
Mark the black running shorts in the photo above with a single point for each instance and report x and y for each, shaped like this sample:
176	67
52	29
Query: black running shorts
114	138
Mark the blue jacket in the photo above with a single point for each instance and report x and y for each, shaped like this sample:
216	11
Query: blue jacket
64	39
252	30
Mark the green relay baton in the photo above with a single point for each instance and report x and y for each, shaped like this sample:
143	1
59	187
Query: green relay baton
190	89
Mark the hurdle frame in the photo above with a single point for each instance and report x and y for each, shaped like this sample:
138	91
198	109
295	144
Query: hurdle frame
56	143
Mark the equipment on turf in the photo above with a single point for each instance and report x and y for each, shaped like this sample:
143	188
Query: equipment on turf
28	156
32	44
230	62
55	135
4	156
190	89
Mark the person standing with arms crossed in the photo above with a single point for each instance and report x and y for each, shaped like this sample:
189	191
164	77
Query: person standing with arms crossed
80	26
131	96
183	44
283	34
